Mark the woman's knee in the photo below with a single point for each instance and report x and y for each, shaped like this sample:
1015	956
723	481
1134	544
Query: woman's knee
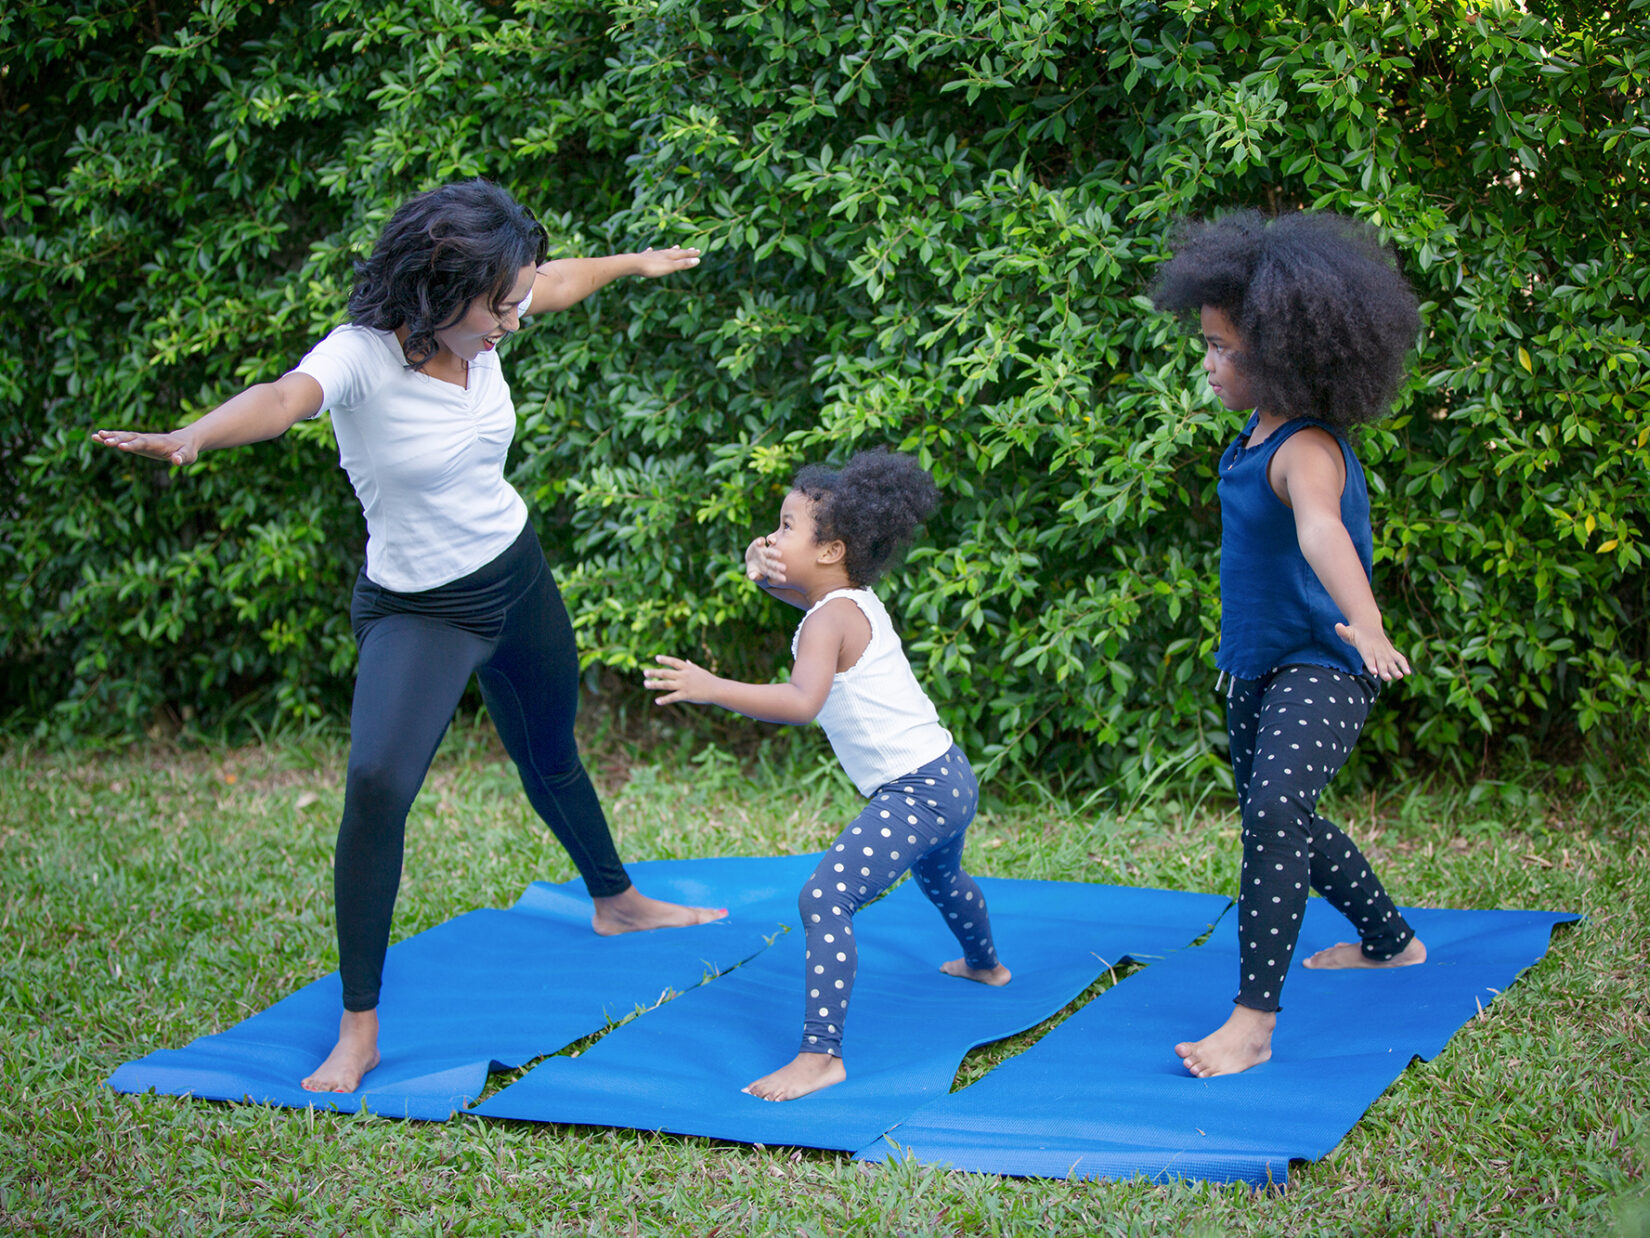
384	783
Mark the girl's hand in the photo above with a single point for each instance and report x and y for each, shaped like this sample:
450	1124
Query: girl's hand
171	447
653	263
681	680
763	564
1380	658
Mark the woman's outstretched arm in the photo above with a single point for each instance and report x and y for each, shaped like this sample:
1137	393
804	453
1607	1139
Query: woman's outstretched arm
567	281
263	411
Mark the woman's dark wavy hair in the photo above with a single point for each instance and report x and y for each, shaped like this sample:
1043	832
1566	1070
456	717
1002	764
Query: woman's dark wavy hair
874	504
440	251
1325	317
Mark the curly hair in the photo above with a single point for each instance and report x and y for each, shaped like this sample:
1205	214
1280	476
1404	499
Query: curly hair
873	505
441	250
1323	314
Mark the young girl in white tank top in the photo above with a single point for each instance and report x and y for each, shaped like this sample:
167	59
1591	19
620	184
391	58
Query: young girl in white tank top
837	532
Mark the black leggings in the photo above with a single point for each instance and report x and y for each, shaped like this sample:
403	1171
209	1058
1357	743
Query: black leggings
504	623
1290	733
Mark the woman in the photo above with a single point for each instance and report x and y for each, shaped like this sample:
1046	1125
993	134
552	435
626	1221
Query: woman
455	583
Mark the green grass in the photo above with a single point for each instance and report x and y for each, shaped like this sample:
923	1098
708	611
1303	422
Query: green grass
152	896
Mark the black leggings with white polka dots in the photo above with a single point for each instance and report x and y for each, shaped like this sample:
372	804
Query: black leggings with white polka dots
1290	733
914	823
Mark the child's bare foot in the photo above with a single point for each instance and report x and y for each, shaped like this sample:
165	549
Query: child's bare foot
996	976
352	1057
1351	954
807	1072
1244	1040
633	912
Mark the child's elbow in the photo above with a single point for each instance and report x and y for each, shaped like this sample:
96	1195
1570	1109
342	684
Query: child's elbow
1320	532
806	708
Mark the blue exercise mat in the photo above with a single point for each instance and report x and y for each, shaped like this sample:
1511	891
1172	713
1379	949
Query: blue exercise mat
487	988
680	1067
1104	1095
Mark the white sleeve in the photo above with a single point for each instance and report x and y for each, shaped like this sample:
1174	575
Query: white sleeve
345	363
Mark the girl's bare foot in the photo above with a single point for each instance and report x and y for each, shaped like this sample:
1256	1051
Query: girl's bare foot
352	1057
807	1072
1244	1040
996	976
1351	954
633	912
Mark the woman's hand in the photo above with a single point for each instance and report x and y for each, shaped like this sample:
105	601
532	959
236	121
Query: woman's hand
680	680
1381	659
653	263
173	447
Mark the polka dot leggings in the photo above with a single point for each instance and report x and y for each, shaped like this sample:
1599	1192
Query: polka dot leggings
914	823
1290	733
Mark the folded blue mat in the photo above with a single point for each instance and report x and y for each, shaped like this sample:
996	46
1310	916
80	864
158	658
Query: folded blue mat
680	1067
1104	1096
487	988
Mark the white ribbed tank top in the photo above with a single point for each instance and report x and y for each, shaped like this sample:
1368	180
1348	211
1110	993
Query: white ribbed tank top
880	722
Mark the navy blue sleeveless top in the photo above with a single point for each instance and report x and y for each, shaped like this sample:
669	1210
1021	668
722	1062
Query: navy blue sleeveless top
1273	609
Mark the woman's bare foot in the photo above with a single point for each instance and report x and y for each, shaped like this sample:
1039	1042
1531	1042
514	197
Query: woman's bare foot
1351	954
1244	1040
352	1057
996	976
807	1072
633	912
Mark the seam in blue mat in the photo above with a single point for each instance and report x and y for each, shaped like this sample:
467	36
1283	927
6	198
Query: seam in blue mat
495	1083
1140	960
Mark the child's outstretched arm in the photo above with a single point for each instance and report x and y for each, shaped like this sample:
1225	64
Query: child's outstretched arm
563	282
796	703
1309	473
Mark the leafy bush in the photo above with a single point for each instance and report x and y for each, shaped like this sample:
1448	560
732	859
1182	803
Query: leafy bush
927	226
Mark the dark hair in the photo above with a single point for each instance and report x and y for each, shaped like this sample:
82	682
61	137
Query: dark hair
440	251
1325	317
873	505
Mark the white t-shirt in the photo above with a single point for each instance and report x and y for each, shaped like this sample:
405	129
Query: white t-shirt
426	457
880	722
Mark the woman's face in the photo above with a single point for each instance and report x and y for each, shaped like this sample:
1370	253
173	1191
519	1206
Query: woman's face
481	327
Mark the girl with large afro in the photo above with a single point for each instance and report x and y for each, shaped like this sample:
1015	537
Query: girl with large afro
1306	322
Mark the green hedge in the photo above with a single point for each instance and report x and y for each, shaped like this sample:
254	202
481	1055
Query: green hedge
927	225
